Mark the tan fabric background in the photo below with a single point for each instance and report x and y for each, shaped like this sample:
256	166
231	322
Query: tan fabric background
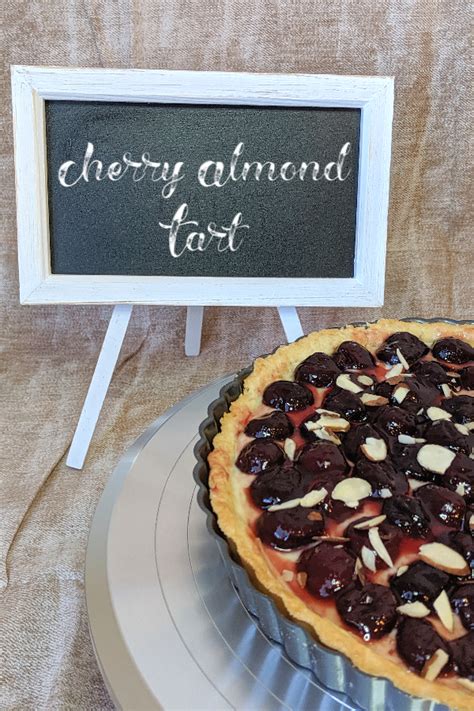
48	354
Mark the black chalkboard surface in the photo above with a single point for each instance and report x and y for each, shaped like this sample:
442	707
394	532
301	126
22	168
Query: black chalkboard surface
267	191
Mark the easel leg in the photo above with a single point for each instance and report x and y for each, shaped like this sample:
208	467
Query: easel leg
192	339
99	385
291	323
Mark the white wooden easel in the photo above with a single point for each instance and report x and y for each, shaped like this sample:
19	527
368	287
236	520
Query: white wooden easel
110	352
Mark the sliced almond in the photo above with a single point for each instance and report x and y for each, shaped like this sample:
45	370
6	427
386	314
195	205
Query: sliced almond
371	522
471	522
435	458
406	439
313	497
344	382
351	491
379	546
413	609
334	424
440	556
327	435
359	571
402	569
329	413
443	609
416	484
434	665
462	428
447	392
290	504
374	449
301	579
437	413
385	494
400	393
290	448
461	488
402	359
467	683
394	372
396	379
287	575
453	374
373	400
365	380
332	539
368	558
314	516
469	426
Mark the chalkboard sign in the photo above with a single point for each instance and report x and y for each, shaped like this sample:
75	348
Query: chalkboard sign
201	188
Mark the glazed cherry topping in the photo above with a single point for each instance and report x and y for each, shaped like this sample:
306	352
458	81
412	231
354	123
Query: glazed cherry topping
411	348
276	425
459	477
278	484
391	537
287	396
417	641
355	437
420	394
259	455
407	513
461	408
394	421
319	369
346	404
467	377
405	462
430	372
329	569
462	602
443	432
352	356
290	528
382	477
371	609
461	542
420	583
444	506
452	350
462	655
324	463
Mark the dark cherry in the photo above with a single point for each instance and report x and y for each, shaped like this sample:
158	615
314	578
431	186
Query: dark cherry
324	463
442	505
461	408
384	389
355	437
467	377
405	462
319	369
407	513
411	348
338	511
346	404
394	421
290	528
287	396
459	477
463	543
371	609
278	484
382	477
443	432
258	456
462	655
420	583
391	537
417	641
352	356
276	425
462	602
430	372
452	350
420	394
329	569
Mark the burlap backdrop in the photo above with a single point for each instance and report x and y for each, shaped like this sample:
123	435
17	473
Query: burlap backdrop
48	354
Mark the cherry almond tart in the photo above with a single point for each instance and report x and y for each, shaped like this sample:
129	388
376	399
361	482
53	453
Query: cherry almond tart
344	476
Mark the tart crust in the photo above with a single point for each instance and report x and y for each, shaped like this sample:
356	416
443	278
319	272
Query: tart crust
229	505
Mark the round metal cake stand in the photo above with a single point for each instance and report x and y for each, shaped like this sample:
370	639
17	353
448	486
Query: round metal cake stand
168	628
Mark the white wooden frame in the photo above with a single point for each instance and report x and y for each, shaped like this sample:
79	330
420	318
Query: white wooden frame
31	86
